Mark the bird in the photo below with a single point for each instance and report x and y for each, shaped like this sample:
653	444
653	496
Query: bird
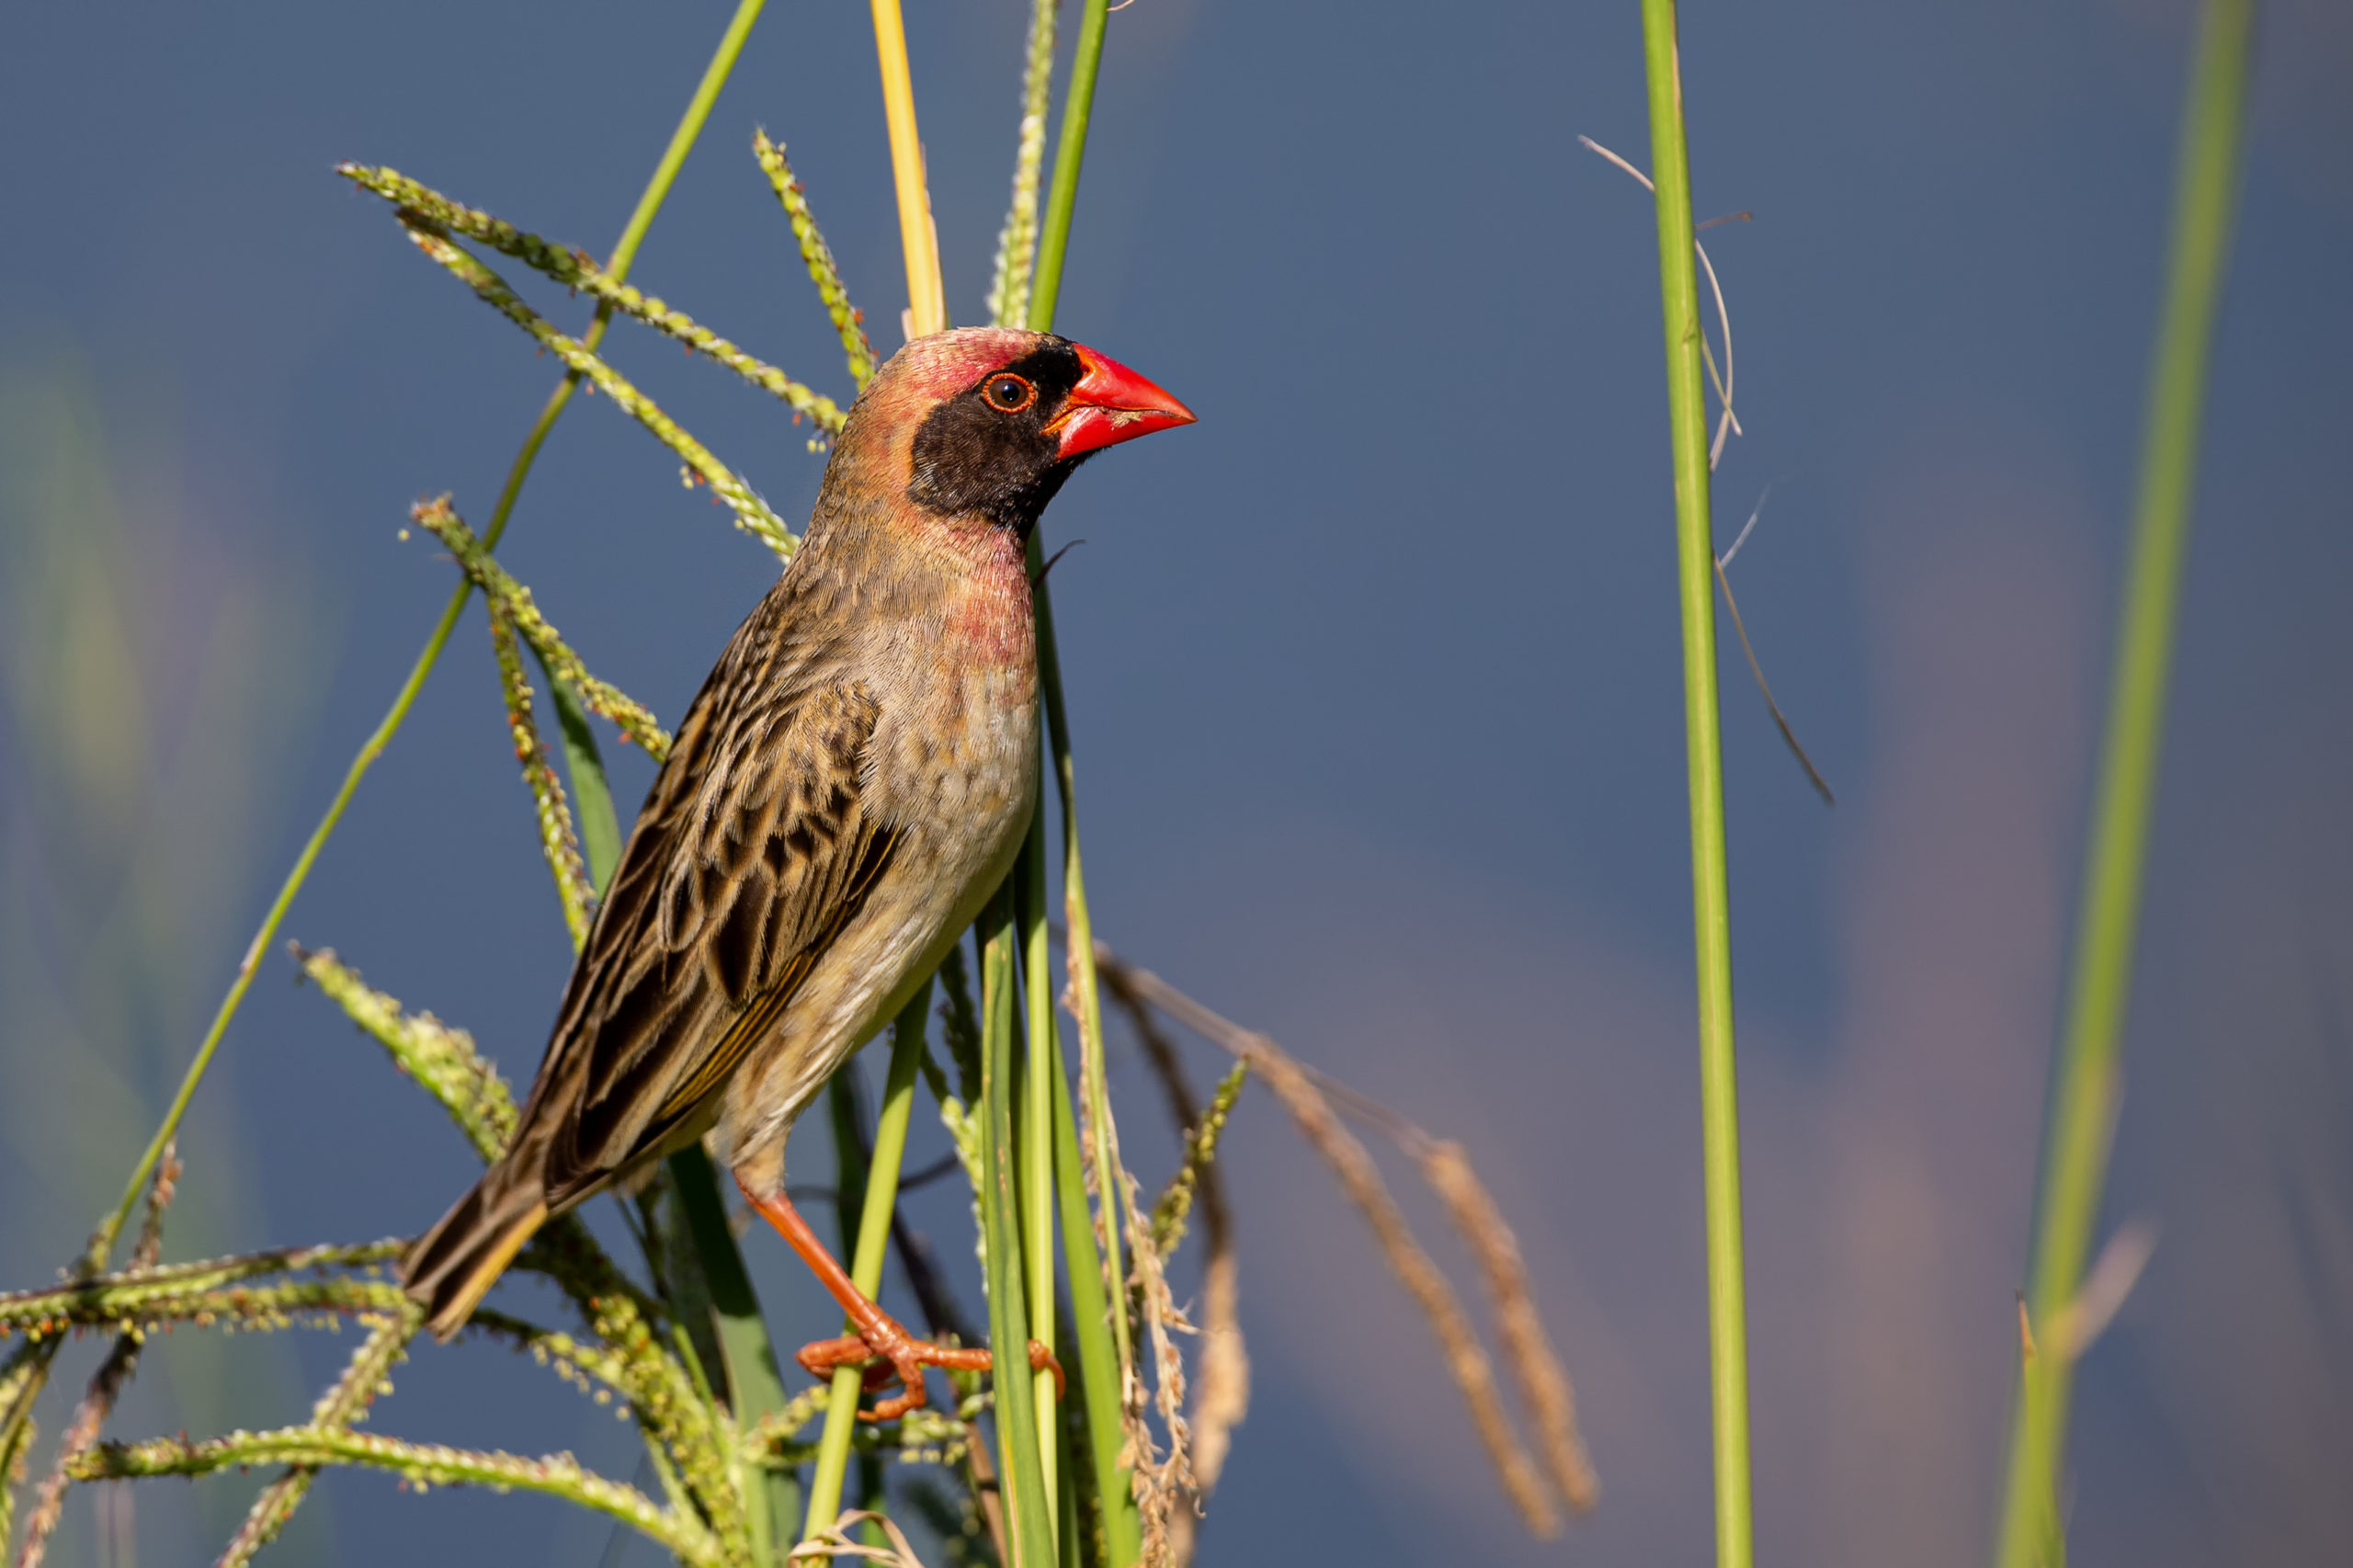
846	790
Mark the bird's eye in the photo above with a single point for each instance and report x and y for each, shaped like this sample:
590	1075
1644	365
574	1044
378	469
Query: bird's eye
1008	393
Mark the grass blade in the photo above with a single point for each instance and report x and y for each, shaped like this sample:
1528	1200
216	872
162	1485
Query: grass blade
2084	1081
599	828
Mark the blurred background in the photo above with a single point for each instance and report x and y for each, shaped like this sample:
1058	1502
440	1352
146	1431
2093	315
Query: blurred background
1373	677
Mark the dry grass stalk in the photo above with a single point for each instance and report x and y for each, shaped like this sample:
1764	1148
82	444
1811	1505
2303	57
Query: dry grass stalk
1221	1373
1221	1382
1536	1366
1164	1482
1163	1485
836	1543
107	1382
1473	1372
1310	1097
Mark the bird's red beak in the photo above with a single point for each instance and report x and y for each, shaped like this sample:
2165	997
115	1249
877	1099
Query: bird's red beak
1111	403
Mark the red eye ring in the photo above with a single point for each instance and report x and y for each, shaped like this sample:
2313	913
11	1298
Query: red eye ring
1007	393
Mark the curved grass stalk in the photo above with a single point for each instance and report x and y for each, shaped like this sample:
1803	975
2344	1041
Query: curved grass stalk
106	1384
2084	1081
343	1404
418	1464
1175	1203
752	514
649	202
559	844
113	1298
422	208
443	1060
238	1308
850	321
512	601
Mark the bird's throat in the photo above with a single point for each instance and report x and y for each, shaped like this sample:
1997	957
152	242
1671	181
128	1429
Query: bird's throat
989	615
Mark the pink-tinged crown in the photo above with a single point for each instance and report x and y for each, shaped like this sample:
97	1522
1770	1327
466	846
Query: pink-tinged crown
935	369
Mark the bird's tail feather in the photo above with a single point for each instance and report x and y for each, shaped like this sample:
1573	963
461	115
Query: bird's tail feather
448	1268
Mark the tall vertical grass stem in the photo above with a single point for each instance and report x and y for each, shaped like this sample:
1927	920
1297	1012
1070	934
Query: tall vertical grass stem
2084	1081
1710	892
866	1264
1061	197
1090	1310
1028	1530
649	202
927	298
1100	1319
1036	1127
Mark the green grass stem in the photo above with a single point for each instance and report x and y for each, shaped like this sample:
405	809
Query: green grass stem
1029	1528
1035	1127
1103	1343
754	1382
641	217
1098	1371
881	1195
1017	241
1061	196
1710	890
2084	1080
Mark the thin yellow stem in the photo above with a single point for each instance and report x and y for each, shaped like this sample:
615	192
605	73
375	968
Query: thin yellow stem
927	298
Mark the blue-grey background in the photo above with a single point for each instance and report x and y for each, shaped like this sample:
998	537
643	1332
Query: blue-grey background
1373	675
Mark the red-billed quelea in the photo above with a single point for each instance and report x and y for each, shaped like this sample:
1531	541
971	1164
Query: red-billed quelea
849	787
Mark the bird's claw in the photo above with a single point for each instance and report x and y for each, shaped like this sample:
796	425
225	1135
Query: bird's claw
890	1354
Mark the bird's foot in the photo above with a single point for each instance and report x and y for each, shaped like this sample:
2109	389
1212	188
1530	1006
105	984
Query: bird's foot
889	1353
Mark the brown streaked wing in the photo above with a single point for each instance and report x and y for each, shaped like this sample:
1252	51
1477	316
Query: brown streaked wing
745	866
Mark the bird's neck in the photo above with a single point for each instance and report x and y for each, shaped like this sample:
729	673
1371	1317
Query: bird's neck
988	613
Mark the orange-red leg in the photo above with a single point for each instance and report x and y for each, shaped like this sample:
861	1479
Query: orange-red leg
880	1338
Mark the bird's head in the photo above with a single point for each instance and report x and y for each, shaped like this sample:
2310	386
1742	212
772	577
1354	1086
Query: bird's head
982	425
